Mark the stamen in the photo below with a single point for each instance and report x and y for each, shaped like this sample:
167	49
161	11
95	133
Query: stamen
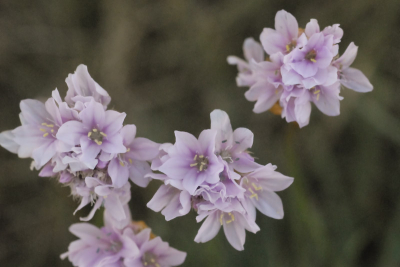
253	194
201	168
89	134
193	164
130	161
128	149
256	188
195	157
122	164
43	130
46	134
232	218
317	92
50	125
52	131
201	156
220	218
103	134
313	60
98	142
44	124
287	48
94	130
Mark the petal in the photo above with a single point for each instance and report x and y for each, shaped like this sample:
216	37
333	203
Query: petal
209	229
312	27
128	133
273	42
328	99
93	115
176	167
193	179
253	50
355	80
243	139
93	211
186	144
34	112
173	257
113	144
235	233
286	24
71	132
7	141
143	149
113	122
90	149
207	142
269	203
44	153
271	180
85	231
119	173
220	122
115	208
137	172
348	56
302	111
244	163
267	99
162	197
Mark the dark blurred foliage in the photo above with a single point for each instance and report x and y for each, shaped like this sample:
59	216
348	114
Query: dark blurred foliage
164	64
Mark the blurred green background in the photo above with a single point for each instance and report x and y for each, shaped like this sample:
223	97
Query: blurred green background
164	64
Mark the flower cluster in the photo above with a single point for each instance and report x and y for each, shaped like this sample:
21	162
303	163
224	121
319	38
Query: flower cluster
87	147
132	246
302	66
82	143
217	177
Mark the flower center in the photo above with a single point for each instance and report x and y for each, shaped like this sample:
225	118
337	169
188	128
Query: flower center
200	162
225	155
97	136
311	55
290	46
150	260
252	188
227	217
47	129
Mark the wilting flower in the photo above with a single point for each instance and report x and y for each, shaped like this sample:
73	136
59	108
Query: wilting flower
253	52
228	200
302	66
82	88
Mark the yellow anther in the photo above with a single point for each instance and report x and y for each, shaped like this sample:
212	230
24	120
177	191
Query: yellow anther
287	48
152	260
193	164
317	92
130	161
195	157
43	130
122	164
313	60
44	124
317	97
201	156
145	264
253	194
220	218
158	265
203	163
103	134
50	125
46	134
52	131
232	218
256	188
98	142
128	149
89	134
201	168
94	130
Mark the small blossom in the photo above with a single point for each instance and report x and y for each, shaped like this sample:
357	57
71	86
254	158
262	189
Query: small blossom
98	131
193	160
100	247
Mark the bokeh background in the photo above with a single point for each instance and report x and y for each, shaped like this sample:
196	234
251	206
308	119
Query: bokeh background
164	64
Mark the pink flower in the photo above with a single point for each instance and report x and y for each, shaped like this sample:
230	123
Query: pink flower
133	163
193	160
98	131
100	247
284	38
